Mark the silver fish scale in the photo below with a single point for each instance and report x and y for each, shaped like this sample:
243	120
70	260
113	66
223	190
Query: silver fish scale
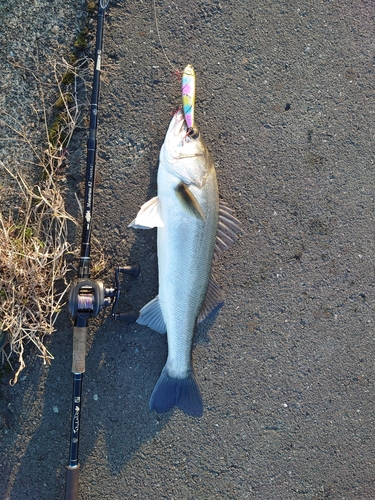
185	252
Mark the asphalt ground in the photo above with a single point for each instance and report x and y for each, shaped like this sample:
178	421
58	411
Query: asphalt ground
285	102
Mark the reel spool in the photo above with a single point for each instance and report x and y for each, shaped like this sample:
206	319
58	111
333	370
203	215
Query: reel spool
88	297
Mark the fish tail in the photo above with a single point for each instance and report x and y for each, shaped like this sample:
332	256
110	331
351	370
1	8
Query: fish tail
181	392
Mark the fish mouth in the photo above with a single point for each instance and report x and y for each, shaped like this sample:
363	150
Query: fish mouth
180	127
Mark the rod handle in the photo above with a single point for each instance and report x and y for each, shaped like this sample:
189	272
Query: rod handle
79	348
71	487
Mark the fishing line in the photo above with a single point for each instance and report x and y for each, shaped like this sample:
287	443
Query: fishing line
161	43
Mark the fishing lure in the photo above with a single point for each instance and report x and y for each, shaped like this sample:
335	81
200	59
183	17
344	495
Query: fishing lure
188	95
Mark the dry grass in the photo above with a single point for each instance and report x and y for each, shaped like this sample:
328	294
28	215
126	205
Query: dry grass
32	251
34	237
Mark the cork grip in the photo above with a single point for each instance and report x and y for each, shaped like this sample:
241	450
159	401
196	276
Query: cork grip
71	489
79	349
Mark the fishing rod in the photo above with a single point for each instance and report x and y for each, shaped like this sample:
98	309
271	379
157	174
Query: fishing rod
87	297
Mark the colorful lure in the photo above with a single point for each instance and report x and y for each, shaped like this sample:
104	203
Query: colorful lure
188	95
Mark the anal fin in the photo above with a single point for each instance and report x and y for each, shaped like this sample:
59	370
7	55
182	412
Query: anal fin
151	316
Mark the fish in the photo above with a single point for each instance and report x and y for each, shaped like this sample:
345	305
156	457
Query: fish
194	227
188	95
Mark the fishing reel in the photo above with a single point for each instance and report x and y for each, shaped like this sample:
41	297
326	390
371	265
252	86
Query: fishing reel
88	297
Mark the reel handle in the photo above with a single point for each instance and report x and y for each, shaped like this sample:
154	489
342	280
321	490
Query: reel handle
133	270
130	316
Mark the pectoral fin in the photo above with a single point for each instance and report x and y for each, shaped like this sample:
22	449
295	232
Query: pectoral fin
189	201
149	215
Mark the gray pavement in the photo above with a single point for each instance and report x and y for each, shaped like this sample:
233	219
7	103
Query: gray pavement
285	102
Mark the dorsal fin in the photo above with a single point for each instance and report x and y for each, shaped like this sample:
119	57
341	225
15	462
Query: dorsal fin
228	229
214	297
227	232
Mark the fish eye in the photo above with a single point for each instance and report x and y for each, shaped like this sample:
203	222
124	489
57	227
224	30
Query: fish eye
192	132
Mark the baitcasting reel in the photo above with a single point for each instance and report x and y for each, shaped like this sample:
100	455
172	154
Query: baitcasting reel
88	297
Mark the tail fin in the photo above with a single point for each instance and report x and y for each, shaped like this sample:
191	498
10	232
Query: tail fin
181	392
